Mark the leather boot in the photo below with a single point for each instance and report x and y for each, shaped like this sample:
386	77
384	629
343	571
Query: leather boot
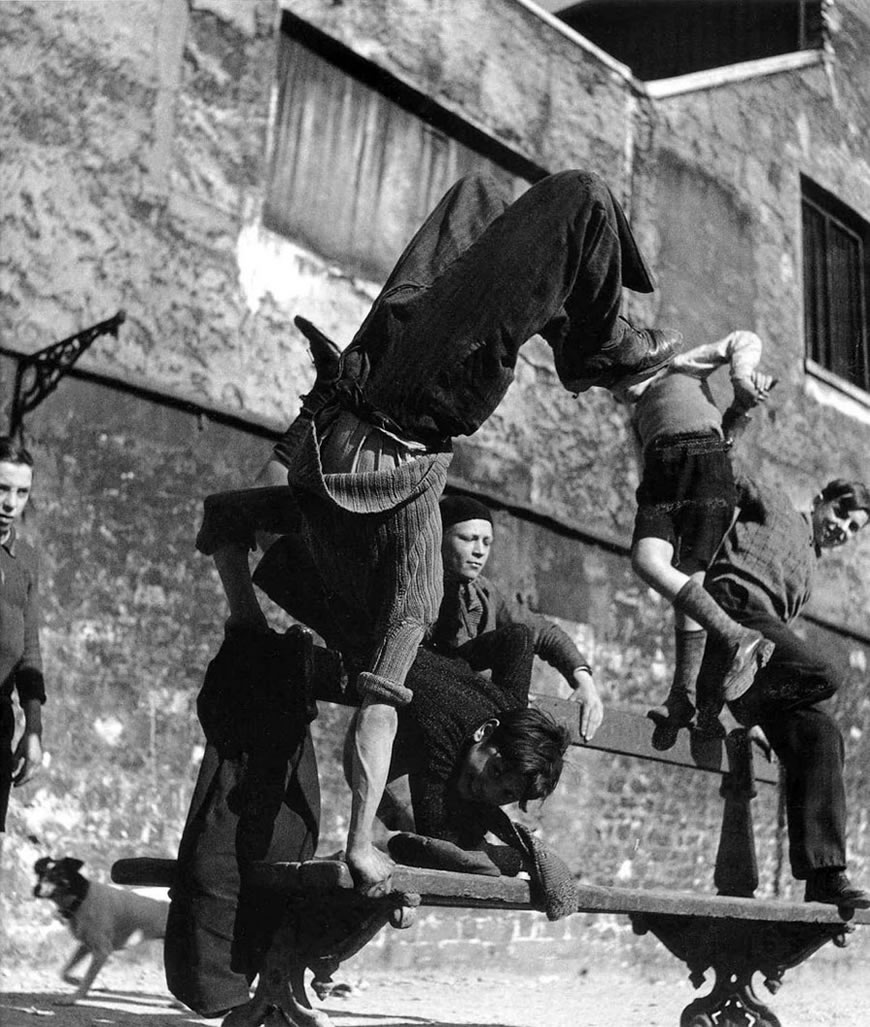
628	353
642	350
832	886
678	709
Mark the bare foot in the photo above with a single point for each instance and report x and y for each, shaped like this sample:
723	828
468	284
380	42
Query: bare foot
371	870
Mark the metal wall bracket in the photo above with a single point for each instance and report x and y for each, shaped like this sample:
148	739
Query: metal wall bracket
38	374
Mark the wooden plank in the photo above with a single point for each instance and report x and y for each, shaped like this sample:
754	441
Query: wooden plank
628	733
446	888
455	890
623	732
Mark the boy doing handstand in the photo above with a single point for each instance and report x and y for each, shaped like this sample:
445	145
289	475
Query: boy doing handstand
686	500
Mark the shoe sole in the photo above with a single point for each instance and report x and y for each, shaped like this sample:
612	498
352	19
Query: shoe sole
741	679
848	907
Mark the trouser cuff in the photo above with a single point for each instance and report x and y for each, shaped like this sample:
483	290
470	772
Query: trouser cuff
376	687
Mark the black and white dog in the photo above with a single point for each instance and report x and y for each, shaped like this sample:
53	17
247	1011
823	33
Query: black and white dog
102	919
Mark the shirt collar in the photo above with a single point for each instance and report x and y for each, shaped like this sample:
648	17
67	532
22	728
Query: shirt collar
471	594
9	543
808	520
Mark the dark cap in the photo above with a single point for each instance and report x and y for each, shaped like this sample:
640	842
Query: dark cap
455	509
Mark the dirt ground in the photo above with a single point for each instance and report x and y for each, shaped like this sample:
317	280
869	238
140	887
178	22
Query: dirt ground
132	992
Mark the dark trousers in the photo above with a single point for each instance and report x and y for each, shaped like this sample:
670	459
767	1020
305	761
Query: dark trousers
785	701
257	797
481	276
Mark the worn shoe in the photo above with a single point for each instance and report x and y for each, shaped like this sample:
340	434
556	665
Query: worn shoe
631	353
708	724
677	712
747	658
834	888
643	350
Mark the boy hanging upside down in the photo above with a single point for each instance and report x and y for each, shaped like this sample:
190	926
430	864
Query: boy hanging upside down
686	501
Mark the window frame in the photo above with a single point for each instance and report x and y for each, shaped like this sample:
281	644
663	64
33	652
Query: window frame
818	335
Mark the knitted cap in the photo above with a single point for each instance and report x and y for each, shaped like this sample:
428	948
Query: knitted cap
455	509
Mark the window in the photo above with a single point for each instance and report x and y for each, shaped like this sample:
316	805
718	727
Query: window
357	162
836	245
665	38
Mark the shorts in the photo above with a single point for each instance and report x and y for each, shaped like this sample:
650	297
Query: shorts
687	495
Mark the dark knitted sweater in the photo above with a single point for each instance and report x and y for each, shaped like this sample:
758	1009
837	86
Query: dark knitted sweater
450	702
770	551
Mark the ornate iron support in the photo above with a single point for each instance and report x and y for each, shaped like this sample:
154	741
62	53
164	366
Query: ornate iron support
38	374
735	950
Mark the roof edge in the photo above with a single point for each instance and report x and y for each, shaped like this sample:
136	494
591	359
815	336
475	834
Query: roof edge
713	78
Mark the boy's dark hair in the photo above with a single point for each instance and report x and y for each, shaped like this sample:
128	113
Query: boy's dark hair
12	452
532	742
854	493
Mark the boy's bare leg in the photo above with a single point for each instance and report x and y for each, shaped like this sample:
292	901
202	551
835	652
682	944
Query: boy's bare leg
374	733
235	574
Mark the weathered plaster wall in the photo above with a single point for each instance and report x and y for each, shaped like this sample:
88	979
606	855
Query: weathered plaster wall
132	178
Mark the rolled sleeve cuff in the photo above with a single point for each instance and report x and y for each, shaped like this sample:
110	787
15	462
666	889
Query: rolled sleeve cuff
30	684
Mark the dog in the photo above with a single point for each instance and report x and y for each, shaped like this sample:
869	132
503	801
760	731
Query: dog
102	918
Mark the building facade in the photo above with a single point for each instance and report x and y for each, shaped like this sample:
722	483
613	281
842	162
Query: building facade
215	167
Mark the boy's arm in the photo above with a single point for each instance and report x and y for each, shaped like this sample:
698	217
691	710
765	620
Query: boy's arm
750	497
29	680
741	349
30	686
556	648
27	758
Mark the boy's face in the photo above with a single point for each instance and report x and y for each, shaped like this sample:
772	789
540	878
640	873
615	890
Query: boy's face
484	776
15	483
465	549
834	524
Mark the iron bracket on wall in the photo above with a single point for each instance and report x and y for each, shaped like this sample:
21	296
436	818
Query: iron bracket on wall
38	374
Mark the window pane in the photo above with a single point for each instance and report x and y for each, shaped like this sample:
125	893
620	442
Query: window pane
352	173
815	316
845	321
